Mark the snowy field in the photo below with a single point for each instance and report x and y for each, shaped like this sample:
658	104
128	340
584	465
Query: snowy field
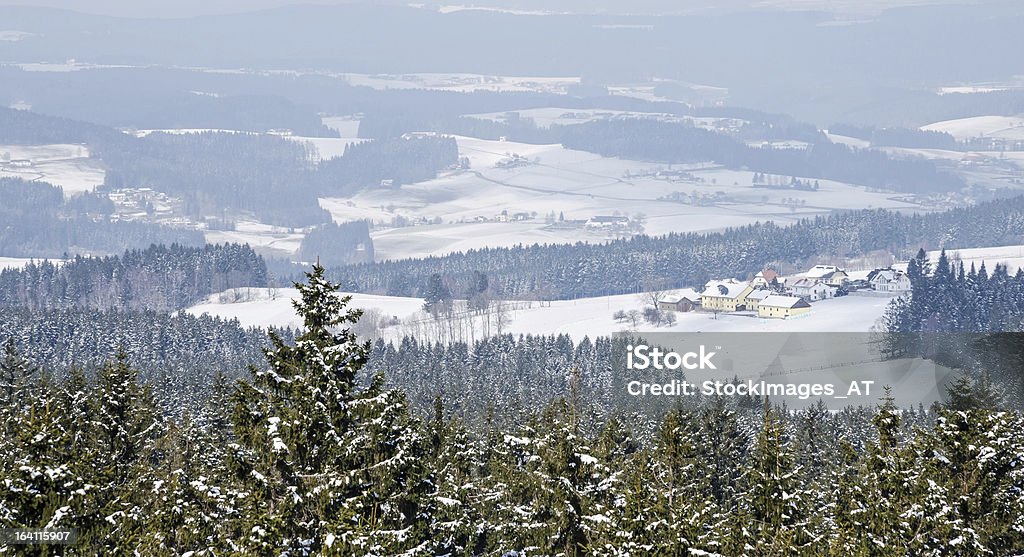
998	127
577	318
64	165
970	89
593	316
347	126
19	262
1010	256
258	235
462	82
183	131
547	117
326	147
263	307
577	185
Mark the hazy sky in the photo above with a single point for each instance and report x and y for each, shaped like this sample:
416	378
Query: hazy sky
185	8
162	8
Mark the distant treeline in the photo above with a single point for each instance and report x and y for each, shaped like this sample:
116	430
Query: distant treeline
179	356
965	318
158	278
39	222
152	98
567	271
338	244
271	177
898	137
681	142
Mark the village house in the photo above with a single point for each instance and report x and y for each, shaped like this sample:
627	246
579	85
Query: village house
858	280
607	221
889	280
765	279
755	297
725	295
683	300
828	274
782	307
812	289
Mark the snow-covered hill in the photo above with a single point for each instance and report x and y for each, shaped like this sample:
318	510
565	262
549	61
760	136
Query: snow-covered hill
578	318
467	209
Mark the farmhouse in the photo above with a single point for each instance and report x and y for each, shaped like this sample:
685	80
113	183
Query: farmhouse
812	289
684	300
607	221
765	278
889	280
828	274
782	307
755	297
725	295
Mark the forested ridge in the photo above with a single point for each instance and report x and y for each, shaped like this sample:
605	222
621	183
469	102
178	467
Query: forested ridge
158	278
274	178
39	222
551	272
966	318
303	458
650	139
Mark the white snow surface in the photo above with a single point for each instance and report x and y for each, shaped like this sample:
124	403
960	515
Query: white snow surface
258	235
64	165
548	116
1010	256
263	307
462	82
577	318
1001	127
19	262
326	147
578	185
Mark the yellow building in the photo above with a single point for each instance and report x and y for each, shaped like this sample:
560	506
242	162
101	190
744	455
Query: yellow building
782	307
755	296
725	295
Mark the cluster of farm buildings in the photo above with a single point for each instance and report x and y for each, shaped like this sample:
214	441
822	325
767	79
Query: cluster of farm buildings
772	296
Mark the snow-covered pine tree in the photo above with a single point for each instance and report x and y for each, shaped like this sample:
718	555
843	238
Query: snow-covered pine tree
871	514
191	504
614	449
680	512
35	479
125	424
457	461
972	468
333	469
772	514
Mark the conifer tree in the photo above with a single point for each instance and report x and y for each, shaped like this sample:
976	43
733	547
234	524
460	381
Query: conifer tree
333	469
772	516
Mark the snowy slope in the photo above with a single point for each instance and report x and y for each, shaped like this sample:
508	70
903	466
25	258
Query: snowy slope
1010	256
262	307
19	262
1002	127
64	165
578	318
257	235
552	179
